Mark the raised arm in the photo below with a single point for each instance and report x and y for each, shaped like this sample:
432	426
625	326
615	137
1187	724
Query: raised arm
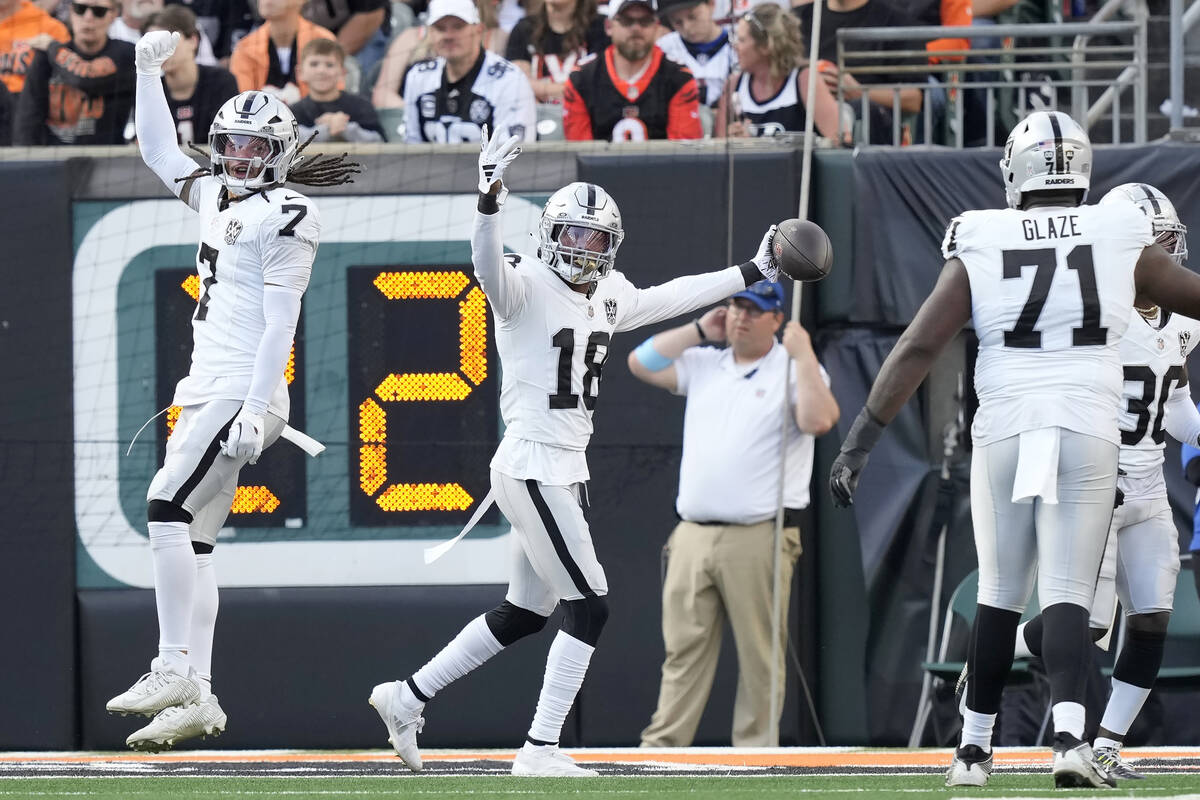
940	318
1163	282
690	292
504	289
653	361
153	121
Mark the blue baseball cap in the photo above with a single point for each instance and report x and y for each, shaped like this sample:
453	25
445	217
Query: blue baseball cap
767	295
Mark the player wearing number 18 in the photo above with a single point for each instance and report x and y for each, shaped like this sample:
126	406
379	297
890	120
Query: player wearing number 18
555	316
1050	285
257	244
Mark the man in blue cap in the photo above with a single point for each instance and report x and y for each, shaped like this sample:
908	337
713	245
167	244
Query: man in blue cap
721	553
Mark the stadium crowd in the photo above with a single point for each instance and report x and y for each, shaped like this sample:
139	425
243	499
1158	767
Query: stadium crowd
437	70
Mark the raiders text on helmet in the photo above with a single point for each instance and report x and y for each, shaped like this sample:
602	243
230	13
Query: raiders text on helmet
580	232
1045	151
253	141
1169	230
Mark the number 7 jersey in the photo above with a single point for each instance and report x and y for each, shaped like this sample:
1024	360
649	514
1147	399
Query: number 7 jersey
1051	294
268	237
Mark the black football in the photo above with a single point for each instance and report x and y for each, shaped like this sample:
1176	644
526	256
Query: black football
802	250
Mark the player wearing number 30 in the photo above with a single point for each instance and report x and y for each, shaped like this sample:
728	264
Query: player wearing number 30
555	317
257	243
1050	285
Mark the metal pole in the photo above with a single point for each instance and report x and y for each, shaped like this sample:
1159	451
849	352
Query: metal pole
1176	64
777	611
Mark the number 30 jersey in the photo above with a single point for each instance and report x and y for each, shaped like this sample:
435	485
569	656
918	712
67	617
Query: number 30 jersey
1154	360
553	343
1051	293
268	237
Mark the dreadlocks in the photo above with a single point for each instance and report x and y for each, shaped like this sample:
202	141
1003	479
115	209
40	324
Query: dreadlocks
318	170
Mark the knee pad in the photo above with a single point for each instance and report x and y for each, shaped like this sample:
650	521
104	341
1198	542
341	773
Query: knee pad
1154	623
202	548
166	511
508	623
585	618
1142	654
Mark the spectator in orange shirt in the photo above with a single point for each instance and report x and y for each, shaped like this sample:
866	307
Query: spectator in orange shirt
24	28
632	91
266	59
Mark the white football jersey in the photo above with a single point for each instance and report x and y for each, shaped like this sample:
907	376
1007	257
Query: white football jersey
1154	358
495	93
269	237
553	343
710	71
1051	293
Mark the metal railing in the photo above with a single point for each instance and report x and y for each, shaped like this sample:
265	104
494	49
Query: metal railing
999	72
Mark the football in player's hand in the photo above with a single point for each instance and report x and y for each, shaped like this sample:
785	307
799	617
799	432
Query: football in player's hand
802	250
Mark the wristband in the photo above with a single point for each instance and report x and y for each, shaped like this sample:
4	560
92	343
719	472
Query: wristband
650	358
488	204
864	433
700	330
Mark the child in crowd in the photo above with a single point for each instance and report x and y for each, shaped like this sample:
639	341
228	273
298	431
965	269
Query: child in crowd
336	116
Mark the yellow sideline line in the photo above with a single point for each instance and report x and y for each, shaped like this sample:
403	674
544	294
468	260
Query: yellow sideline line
740	758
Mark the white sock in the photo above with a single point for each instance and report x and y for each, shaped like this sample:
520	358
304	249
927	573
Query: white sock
204	622
1123	706
566	665
474	645
977	730
1022	650
1103	741
174	589
1068	718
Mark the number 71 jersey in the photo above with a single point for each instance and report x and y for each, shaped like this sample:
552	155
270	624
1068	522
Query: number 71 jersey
1051	294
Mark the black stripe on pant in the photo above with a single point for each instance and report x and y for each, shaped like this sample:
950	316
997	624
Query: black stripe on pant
206	462
556	539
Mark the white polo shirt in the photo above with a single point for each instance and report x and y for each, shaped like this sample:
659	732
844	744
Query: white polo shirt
730	466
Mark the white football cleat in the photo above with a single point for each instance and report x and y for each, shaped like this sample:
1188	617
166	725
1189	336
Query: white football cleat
158	689
970	767
174	724
403	721
547	761
1109	758
1075	766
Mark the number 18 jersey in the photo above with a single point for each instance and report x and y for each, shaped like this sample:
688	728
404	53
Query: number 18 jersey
1051	293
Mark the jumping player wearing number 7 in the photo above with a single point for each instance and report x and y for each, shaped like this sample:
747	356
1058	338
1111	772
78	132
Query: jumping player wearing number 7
1050	285
257	244
555	316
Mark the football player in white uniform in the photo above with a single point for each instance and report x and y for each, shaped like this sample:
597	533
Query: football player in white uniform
257	244
555	317
1050	285
1141	559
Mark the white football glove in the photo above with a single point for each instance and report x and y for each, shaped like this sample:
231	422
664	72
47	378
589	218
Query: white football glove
152	50
764	259
494	158
245	439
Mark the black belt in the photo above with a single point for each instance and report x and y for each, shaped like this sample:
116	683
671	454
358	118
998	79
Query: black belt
791	519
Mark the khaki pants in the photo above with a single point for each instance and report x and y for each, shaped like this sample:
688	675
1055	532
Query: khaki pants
714	572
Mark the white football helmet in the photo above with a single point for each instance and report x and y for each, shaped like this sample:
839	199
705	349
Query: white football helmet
253	141
1169	230
580	232
1045	151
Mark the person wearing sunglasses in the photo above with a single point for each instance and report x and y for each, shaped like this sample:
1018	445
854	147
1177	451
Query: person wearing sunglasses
631	92
80	92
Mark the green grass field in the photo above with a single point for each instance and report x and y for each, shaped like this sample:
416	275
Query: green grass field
482	787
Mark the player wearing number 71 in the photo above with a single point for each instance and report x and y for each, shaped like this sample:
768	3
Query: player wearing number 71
555	316
257	244
1050	285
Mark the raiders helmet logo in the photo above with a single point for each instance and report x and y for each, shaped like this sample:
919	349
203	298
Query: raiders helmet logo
233	230
610	310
